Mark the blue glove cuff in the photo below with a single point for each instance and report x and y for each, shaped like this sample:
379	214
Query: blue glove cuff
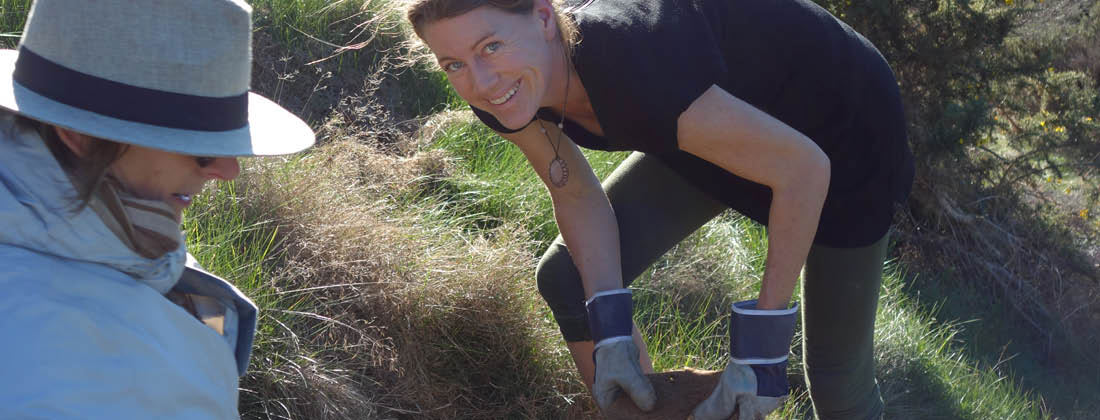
771	380
761	337
610	314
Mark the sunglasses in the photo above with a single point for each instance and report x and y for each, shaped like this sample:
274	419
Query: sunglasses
204	161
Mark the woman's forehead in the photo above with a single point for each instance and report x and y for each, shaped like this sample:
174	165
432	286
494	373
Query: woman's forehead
464	32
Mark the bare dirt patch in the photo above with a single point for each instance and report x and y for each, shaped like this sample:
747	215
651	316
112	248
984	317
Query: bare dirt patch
678	392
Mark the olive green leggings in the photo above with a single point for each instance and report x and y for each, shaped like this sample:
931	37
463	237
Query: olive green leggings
656	209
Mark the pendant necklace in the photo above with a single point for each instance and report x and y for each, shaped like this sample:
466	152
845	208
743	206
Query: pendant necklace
559	171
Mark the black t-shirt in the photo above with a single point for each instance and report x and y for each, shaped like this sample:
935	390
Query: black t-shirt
643	62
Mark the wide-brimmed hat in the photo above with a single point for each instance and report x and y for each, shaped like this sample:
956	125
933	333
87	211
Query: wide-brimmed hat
166	74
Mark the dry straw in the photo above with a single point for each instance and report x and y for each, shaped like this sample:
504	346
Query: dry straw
395	314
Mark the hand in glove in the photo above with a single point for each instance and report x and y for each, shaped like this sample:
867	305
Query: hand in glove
755	380
615	355
617	367
737	391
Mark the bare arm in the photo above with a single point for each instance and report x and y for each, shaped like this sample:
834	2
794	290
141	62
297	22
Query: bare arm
749	143
581	209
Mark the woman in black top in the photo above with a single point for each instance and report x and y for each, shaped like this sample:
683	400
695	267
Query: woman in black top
775	109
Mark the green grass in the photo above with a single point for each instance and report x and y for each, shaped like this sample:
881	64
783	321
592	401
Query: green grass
994	338
496	182
295	23
357	36
13	15
929	373
229	241
242	244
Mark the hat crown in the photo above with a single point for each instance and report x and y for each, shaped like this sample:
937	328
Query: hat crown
166	74
192	47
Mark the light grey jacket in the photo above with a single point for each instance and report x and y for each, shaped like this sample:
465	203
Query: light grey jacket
85	328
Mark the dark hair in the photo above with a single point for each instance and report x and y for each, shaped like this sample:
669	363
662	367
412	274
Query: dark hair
422	12
87	172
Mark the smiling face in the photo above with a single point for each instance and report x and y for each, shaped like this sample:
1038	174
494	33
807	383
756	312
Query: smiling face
501	62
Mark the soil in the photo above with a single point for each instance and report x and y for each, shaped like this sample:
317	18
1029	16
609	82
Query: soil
678	392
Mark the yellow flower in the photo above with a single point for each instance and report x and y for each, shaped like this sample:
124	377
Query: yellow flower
1069	190
1088	119
1059	129
1084	213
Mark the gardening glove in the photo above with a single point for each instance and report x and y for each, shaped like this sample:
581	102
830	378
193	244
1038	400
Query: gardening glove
755	380
615	355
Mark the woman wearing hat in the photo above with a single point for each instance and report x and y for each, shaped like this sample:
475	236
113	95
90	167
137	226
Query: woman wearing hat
116	115
775	109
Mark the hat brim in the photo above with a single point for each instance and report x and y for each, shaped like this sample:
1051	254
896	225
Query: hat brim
271	130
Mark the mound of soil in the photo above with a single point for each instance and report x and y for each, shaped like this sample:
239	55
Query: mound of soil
678	392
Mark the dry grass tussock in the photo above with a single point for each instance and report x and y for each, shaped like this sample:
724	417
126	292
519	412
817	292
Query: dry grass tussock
384	315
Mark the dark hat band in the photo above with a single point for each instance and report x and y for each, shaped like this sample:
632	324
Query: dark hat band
127	102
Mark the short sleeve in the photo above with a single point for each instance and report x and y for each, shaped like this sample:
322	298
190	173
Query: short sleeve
643	63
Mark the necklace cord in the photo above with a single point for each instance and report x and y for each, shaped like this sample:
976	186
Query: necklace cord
565	100
557	163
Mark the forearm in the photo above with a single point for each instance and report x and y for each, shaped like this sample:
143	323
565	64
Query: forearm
751	144
584	215
591	232
792	224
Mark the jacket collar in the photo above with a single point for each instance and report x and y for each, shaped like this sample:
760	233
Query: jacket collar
36	213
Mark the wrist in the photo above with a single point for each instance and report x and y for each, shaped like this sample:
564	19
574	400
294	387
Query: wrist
766	302
610	316
776	290
760	336
761	340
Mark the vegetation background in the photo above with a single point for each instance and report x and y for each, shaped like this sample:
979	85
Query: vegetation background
393	263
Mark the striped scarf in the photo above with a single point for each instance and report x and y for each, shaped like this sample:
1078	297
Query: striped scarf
148	227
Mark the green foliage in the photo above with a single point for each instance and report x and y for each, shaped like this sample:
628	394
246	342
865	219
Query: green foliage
986	108
941	52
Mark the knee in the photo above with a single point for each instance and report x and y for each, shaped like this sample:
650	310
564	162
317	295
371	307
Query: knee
560	285
557	278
